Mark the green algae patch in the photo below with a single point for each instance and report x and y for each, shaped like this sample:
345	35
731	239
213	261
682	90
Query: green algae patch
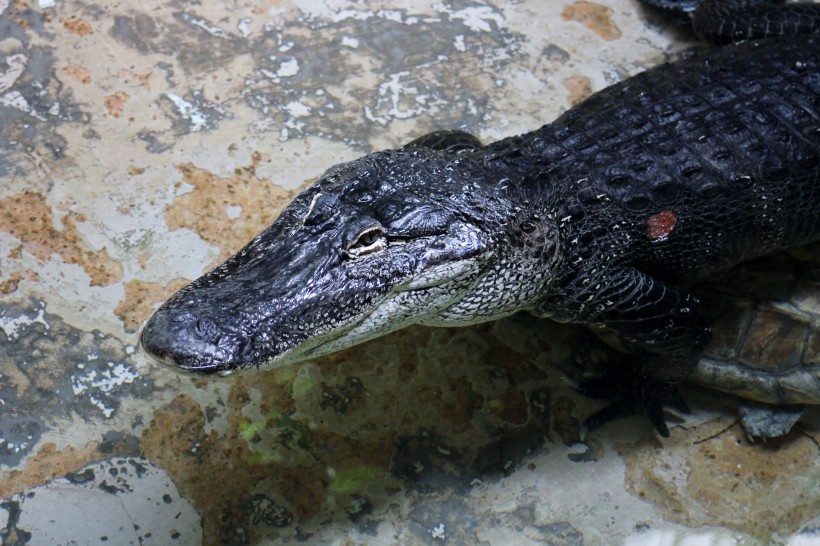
258	436
251	431
353	480
303	385
284	375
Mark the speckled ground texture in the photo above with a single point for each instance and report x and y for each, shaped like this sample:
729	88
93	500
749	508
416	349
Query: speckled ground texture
142	143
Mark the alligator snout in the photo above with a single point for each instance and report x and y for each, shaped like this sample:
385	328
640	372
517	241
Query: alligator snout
184	340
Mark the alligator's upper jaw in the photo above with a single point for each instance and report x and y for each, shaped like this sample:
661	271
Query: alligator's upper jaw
314	281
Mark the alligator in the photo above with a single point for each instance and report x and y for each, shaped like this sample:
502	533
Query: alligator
602	217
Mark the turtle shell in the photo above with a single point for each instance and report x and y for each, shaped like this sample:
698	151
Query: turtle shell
766	329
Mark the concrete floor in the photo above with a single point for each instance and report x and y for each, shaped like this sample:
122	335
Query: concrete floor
142	144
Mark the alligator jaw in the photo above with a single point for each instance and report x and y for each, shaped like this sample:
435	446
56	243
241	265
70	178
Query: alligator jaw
188	341
364	251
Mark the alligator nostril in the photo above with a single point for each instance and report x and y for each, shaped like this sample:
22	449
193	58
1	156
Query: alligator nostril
205	329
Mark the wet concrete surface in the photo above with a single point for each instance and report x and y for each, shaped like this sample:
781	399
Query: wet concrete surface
140	145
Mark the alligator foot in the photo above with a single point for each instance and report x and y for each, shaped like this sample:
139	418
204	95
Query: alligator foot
632	391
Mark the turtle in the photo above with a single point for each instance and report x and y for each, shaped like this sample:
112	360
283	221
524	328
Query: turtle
764	349
765	344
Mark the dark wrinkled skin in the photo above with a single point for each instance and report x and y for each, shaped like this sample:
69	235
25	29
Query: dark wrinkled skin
599	218
725	21
296	280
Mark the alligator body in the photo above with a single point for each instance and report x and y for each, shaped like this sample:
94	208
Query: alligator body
724	21
601	217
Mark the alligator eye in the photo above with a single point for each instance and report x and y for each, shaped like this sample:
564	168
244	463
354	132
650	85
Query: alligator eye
368	241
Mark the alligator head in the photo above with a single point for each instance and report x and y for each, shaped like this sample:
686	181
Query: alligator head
369	248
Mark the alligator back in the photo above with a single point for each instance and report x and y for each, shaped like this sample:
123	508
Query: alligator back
691	167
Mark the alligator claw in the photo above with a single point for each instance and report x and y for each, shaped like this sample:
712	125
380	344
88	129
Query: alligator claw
632	392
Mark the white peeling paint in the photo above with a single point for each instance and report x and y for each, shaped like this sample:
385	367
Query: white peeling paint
14	99
477	18
11	326
397	16
43	4
16	64
210	29
188	111
288	68
3	5
244	27
297	109
399	96
92	383
322	10
350	41
438	532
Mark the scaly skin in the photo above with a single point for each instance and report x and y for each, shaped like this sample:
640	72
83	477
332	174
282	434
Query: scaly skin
599	218
725	21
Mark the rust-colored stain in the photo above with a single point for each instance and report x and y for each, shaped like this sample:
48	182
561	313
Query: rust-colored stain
226	212
77	73
27	217
595	17
17	14
78	26
133	170
129	76
10	285
115	102
580	87
216	472
45	465
140	299
660	226
761	480
727	481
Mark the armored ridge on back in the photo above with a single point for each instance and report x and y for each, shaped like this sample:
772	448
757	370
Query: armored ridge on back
599	218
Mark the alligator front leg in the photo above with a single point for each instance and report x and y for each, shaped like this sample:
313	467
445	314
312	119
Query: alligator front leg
662	325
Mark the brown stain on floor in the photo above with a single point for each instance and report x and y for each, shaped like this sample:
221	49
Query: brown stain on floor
48	463
779	484
205	210
217	472
115	102
78	26
77	73
579	87
595	17
10	285
29	218
139	79
141	298
727	481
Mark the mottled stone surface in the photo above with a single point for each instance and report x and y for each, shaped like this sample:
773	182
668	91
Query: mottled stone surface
142	144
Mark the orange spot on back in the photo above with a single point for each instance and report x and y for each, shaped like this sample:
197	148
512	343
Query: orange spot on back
660	225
